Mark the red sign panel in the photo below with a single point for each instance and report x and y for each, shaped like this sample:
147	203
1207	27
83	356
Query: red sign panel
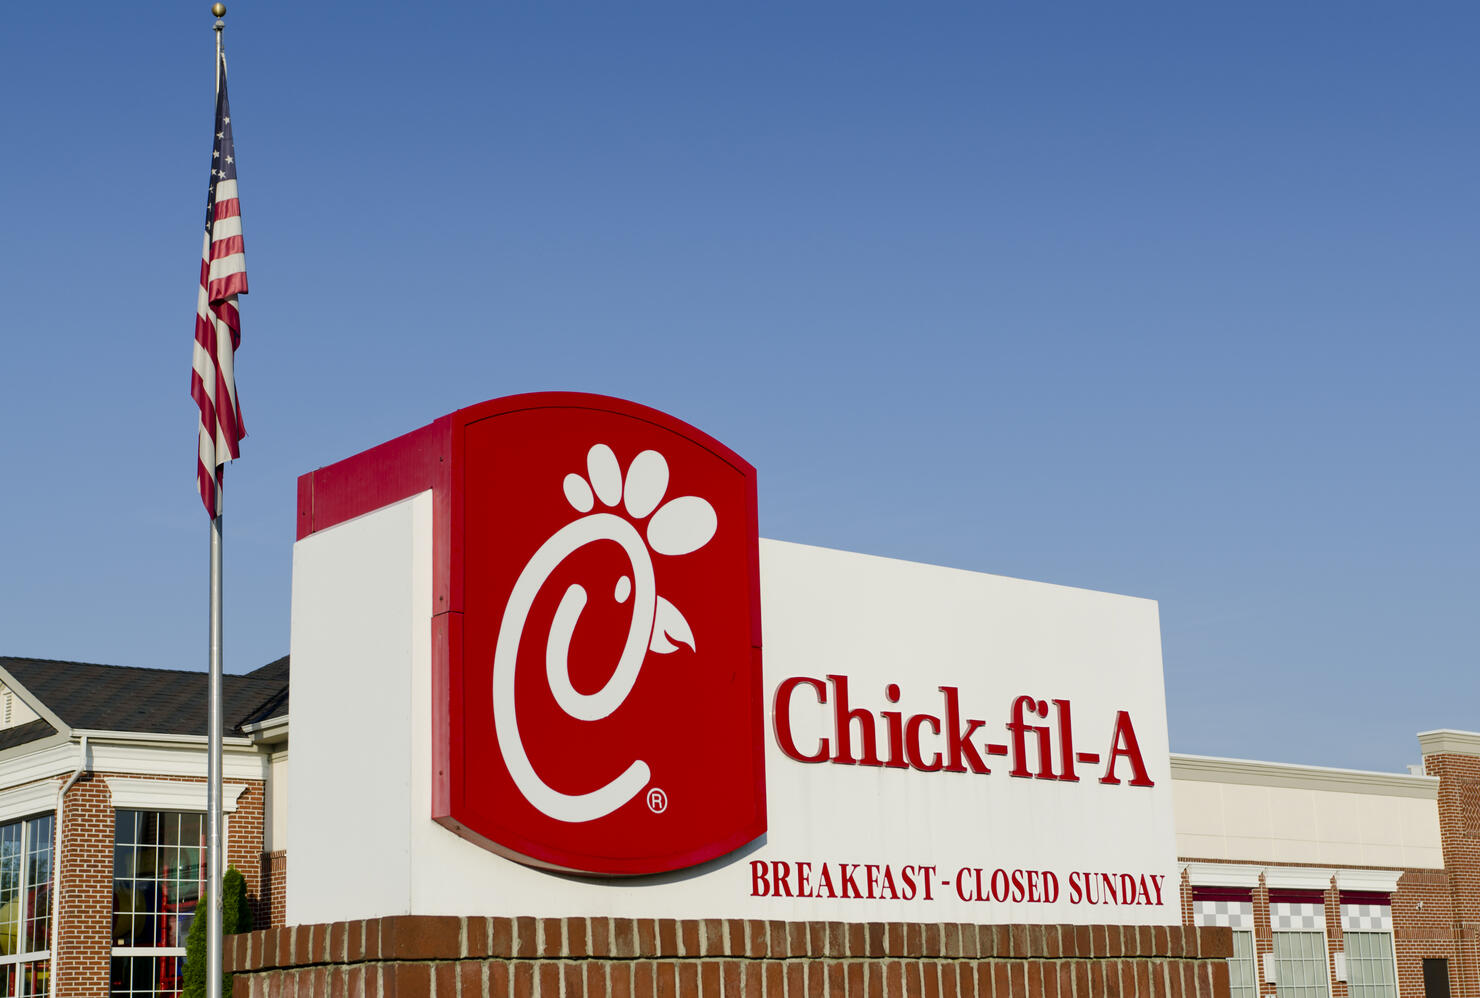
596	678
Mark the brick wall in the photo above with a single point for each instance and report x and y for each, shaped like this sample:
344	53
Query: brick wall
84	933
1335	941
244	837
1459	827
86	889
412	956
272	906
1423	926
1263	937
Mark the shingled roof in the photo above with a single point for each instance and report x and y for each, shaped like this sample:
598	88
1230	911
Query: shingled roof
156	701
24	733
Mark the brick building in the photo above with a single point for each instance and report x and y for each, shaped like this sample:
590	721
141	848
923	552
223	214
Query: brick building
102	818
1336	882
1333	883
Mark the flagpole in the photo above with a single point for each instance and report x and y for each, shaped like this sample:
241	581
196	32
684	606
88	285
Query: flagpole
215	868
213	770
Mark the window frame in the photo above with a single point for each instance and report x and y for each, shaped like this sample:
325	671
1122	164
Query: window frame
1315	899
1352	899
131	951
24	890
1211	905
1391	952
1252	965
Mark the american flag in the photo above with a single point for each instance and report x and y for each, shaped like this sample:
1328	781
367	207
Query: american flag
218	328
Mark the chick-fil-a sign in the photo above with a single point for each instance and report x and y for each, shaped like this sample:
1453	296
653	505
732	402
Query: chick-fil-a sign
607	684
991	748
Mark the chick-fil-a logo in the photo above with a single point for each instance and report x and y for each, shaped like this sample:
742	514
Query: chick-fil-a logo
679	527
604	704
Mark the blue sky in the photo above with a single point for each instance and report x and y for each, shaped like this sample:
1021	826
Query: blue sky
1151	298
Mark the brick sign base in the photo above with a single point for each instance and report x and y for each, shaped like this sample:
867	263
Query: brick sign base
417	956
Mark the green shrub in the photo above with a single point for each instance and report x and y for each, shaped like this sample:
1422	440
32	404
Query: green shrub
236	916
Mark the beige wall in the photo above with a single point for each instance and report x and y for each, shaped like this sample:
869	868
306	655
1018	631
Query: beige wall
1252	812
276	825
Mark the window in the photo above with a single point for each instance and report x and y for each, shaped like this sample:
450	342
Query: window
1299	947
25	906
158	876
1300	965
1242	982
1367	923
1233	907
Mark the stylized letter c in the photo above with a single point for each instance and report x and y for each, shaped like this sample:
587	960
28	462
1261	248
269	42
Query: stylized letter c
586	707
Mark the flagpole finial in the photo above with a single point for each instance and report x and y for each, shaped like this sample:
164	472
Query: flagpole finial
219	9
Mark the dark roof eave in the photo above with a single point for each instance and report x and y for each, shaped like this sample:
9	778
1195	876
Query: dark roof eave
268	732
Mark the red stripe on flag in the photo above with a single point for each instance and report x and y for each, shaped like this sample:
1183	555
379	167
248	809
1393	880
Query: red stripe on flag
203	400
226	313
229	417
225	247
207	486
205	335
224	287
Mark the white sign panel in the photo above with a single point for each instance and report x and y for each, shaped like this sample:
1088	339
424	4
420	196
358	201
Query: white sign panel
946	745
939	745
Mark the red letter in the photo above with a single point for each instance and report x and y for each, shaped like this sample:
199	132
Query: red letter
927	874
781	713
958	742
887	884
760	885
1019	729
907	877
781	874
845	877
1066	742
804	880
912	742
960	893
894	724
1123	743
844	718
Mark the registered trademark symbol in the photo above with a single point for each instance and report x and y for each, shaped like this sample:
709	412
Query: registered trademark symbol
657	800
